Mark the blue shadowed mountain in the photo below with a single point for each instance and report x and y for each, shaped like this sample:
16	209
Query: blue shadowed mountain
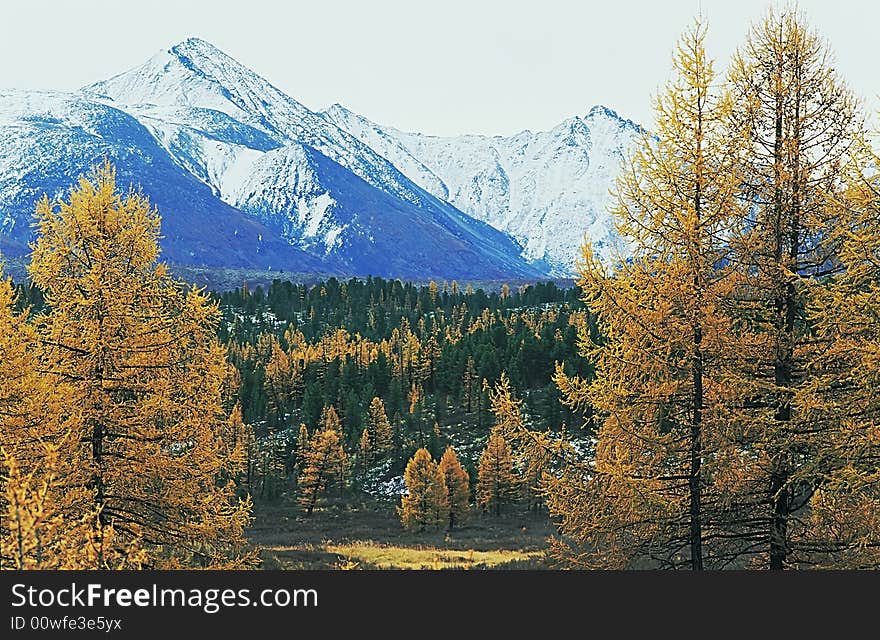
247	177
47	140
315	185
243	175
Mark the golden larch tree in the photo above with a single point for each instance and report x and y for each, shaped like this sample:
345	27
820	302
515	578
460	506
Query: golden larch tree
425	505
844	511
146	373
40	527
801	124
458	487
496	481
279	384
379	428
323	465
302	440
533	451
237	441
330	419
659	390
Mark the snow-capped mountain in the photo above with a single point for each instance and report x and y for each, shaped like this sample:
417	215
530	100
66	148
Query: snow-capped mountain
323	190
246	176
48	139
243	175
548	189
196	83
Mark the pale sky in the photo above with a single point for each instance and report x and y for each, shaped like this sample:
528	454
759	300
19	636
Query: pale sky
442	67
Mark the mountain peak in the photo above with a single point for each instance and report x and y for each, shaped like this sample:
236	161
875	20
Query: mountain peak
195	73
195	41
602	110
610	114
201	52
336	109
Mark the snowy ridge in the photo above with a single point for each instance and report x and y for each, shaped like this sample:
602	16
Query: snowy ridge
49	139
197	75
244	175
548	189
269	186
319	187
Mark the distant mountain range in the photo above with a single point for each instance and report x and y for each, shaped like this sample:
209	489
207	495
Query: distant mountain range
547	189
247	177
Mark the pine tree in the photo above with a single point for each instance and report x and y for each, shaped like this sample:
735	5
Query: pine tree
366	451
146	373
434	440
379	429
458	489
279	383
416	410
425	505
324	465
496	482
275	469
467	384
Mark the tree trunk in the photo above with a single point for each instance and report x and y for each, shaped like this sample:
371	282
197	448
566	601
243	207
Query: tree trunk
696	531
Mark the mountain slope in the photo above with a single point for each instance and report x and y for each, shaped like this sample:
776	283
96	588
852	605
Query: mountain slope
48	139
326	192
548	189
246	176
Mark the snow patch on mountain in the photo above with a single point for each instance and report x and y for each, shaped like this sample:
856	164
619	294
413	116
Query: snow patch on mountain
197	75
49	139
548	189
283	188
325	191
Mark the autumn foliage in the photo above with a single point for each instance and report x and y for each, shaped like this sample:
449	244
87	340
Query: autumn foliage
426	504
735	349
323	466
458	488
724	366
496	480
115	437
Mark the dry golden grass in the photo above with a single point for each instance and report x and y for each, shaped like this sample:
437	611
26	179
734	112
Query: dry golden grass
379	556
368	535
